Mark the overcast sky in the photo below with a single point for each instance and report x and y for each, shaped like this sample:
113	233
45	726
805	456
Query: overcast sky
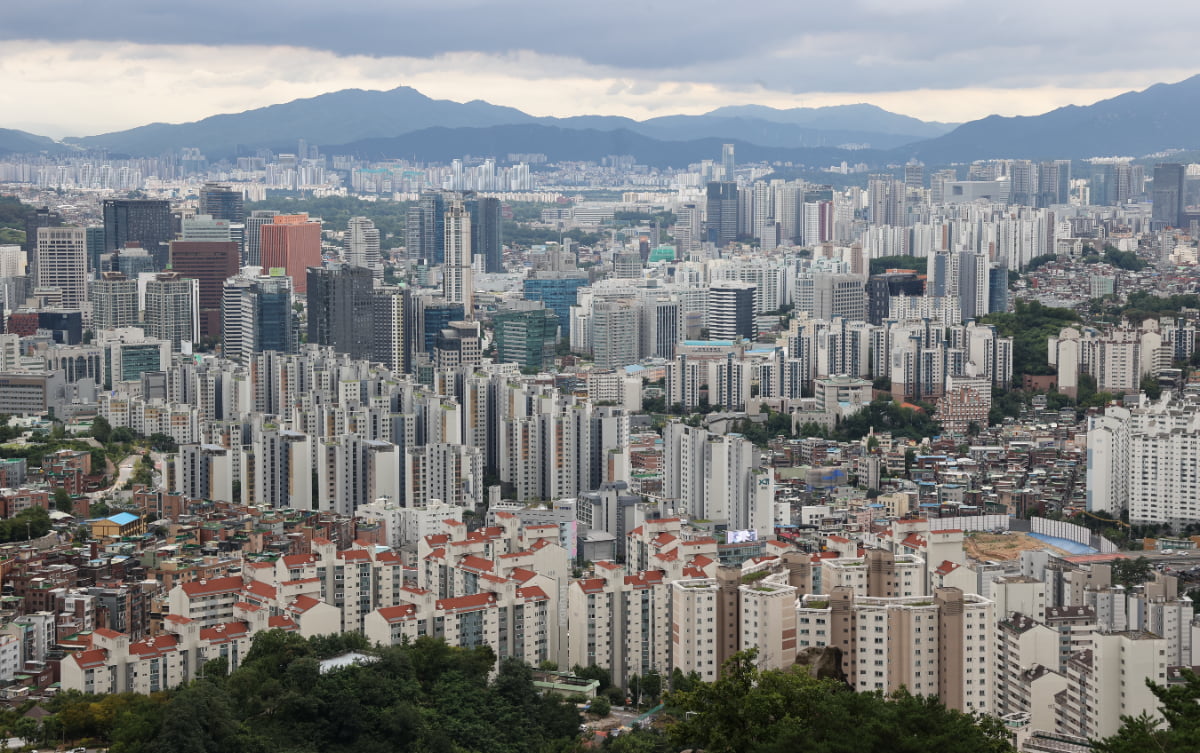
80	67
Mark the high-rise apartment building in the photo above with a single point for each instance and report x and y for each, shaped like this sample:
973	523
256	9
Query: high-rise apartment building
114	301
615	335
147	221
340	308
61	262
389	340
172	309
457	283
291	242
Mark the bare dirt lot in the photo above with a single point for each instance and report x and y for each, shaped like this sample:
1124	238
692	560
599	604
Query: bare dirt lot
1003	546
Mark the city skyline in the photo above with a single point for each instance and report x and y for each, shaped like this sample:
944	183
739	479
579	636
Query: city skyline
74	78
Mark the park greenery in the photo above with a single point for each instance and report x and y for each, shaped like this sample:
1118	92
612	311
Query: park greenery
884	263
423	696
1030	324
12	220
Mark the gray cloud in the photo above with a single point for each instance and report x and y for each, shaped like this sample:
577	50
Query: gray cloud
855	45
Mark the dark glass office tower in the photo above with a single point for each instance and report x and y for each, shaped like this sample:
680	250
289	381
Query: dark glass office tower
146	221
340	308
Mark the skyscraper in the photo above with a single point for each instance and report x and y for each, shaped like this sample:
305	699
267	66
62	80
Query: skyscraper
485	232
147	221
457	283
885	196
362	246
425	229
340	308
728	165
722	213
291	242
252	254
222	202
558	290
731	311
61	256
209	262
257	316
114	301
388	328
172	309
1168	194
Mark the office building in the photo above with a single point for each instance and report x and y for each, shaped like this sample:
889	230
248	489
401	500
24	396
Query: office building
457	283
172	310
222	202
425	229
615	334
61	263
252	251
486	241
731	306
526	337
210	263
362	246
340	308
146	221
114	301
257	316
1168	194
291	242
721	213
559	291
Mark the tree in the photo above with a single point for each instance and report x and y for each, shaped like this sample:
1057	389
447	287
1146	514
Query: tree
122	435
63	501
600	707
652	686
101	429
1130	573
748	710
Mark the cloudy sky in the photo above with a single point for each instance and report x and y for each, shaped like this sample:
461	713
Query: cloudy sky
80	67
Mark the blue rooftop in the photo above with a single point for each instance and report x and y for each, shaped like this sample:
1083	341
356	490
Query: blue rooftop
122	518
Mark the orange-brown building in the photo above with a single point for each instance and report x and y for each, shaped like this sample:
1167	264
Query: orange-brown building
293	243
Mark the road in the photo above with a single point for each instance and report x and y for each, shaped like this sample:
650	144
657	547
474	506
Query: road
124	472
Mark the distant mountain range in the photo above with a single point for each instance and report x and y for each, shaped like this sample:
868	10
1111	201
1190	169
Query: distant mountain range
403	122
21	142
353	115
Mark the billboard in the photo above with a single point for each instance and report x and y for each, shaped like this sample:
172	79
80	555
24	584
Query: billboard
741	537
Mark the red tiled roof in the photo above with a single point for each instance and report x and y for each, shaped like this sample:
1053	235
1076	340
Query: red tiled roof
279	622
357	555
260	589
477	564
96	657
590	585
608	565
532	592
106	633
321	541
152	647
298	560
521	574
230	631
302	604
213	586
398	612
467	603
